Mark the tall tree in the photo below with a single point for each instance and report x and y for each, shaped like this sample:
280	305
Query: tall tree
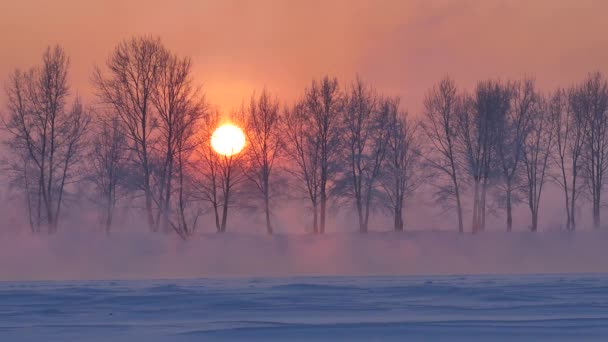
180	107
440	128
366	133
108	156
478	125
570	128
303	147
324	102
127	86
400	176
187	129
590	100
314	131
46	136
511	134
263	131
536	151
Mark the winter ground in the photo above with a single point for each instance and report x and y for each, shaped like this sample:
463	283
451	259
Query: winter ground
284	287
448	308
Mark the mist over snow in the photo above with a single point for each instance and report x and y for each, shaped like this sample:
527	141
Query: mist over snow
147	256
430	245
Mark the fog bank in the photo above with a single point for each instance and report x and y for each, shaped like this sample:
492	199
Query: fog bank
155	256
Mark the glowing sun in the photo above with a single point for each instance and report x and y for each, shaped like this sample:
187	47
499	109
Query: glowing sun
228	140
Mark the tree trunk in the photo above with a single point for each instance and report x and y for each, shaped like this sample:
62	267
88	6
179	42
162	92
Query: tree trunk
596	212
568	212
109	212
509	208
475	219
459	209
366	217
225	213
571	215
167	199
147	189
183	225
534	213
482	226
362	227
323	211
315	214
217	217
108	223
149	212
267	212
398	219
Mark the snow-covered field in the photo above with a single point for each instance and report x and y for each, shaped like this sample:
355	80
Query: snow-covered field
448	308
257	287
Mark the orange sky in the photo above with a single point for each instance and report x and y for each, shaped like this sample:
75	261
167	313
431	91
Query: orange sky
402	47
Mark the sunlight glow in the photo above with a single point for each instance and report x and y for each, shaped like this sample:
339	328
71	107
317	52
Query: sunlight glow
228	140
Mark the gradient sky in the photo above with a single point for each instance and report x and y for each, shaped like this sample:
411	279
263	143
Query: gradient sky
402	47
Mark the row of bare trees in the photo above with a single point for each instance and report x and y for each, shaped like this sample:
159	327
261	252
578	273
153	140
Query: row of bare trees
509	139
352	145
144	145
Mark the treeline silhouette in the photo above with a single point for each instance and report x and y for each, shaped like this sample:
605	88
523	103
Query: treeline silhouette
144	144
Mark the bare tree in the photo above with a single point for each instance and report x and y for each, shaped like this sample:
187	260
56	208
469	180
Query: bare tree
440	128
46	136
324	102
263	131
536	152
400	176
304	149
180	108
366	133
570	128
185	144
107	156
219	175
590	101
314	131
128	86
478	125
511	131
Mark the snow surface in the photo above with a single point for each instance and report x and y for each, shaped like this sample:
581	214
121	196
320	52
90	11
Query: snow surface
445	308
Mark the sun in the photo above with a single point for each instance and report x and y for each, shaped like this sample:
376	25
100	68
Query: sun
228	140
